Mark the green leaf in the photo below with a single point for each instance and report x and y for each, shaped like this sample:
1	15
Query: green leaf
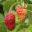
1	18
3	27
29	7
30	17
7	4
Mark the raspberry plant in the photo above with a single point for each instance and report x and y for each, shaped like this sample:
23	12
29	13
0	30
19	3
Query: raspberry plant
26	26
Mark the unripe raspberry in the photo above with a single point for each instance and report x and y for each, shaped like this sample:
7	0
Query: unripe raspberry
21	12
10	21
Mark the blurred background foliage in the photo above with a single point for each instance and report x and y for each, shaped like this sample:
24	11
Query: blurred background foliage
6	6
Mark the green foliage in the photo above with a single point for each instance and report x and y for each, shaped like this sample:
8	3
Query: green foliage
8	4
2	25
29	7
30	16
1	18
19	27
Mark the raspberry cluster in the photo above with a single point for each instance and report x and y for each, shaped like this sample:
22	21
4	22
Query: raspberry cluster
10	17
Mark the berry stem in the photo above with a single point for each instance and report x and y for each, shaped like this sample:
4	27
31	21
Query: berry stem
22	2
13	5
18	2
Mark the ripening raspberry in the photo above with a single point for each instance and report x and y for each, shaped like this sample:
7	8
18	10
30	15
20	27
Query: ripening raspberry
10	21
21	12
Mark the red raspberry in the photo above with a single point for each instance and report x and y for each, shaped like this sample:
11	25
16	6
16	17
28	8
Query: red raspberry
21	12
10	21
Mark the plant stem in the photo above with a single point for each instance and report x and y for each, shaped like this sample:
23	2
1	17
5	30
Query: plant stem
22	2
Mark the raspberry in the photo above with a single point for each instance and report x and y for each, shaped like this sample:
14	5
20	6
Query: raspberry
10	21
21	12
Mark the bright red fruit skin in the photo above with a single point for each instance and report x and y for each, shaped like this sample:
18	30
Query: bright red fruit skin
21	12
10	21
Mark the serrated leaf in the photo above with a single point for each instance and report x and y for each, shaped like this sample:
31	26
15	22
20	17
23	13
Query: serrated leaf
3	27
1	18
